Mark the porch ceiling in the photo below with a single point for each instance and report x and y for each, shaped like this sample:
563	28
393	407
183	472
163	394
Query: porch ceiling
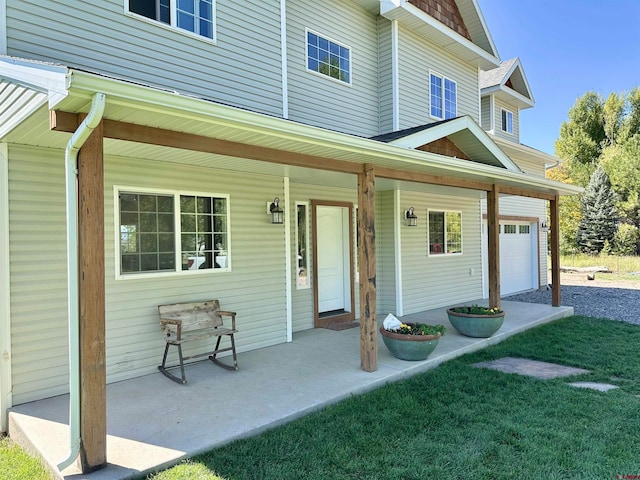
143	105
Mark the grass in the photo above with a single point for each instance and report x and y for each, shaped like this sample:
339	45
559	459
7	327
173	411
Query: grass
617	264
17	465
457	421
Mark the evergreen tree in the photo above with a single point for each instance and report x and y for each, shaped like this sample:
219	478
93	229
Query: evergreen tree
599	218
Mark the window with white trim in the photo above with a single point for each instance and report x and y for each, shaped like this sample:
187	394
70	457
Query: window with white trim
302	245
444	232
507	121
172	231
443	96
195	16
327	57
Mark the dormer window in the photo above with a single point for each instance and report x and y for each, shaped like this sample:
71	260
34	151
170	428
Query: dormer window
443	95
507	121
195	16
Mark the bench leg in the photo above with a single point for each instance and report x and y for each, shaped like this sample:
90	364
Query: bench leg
233	349
163	367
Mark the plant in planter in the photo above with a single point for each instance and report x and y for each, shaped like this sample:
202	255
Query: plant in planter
411	341
476	321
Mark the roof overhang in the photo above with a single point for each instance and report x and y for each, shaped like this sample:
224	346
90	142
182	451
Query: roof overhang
406	14
156	108
467	135
525	152
522	98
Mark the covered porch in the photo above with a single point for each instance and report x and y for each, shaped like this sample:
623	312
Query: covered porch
153	423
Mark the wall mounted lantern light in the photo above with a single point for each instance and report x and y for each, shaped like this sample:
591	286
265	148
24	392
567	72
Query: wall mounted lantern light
412	218
543	226
277	214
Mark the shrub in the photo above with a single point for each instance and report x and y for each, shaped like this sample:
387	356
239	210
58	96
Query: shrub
626	240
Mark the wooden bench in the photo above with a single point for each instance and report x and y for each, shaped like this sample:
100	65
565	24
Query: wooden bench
186	322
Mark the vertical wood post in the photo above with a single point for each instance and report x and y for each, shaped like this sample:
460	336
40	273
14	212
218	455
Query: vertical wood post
93	401
367	270
493	232
554	228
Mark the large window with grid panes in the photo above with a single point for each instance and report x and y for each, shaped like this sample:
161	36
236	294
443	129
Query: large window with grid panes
443	96
171	232
193	16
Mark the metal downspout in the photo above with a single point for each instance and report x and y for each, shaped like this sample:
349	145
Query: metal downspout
76	141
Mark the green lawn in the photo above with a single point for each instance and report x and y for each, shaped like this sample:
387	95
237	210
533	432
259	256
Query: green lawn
616	264
17	465
456	421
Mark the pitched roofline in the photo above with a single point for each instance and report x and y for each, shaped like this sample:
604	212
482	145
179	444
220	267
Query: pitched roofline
417	20
329	144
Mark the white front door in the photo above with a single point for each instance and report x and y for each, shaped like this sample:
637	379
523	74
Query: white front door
331	259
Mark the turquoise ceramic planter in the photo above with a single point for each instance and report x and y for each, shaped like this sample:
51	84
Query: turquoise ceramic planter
409	347
479	326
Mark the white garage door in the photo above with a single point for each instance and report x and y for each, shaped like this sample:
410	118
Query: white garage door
517	258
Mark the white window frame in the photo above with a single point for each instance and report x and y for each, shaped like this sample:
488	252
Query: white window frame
444	253
306	246
173	26
443	103
340	44
119	275
505	116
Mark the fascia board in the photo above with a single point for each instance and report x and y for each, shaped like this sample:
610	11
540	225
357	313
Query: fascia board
392	9
159	101
46	78
486	28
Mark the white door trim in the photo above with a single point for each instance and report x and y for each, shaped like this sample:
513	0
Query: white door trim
6	386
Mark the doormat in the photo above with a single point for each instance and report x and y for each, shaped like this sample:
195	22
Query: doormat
342	325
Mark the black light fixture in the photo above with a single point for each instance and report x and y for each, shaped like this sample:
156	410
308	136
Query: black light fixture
277	214
412	218
543	226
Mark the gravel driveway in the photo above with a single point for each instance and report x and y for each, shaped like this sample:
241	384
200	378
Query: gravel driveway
619	300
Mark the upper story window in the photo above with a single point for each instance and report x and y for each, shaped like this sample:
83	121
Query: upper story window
195	16
507	121
444	97
445	232
328	57
171	232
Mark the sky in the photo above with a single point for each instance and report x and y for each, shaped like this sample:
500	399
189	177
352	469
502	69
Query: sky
566	48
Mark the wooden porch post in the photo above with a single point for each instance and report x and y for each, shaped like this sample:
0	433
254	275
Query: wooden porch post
367	269
493	232
93	401
554	209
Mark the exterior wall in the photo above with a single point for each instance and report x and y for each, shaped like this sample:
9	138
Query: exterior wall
254	288
302	299
515	136
485	113
416	58
385	253
533	168
100	37
317	99
432	282
385	68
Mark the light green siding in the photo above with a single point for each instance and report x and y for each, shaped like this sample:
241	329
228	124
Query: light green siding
243	68
385	253
255	287
436	281
485	106
499	106
302	299
385	74
318	100
416	58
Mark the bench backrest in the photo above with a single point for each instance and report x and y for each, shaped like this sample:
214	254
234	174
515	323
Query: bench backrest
194	316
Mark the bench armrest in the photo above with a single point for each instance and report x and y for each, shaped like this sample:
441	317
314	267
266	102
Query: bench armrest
225	313
172	321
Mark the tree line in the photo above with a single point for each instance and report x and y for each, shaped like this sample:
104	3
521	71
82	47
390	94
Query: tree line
600	150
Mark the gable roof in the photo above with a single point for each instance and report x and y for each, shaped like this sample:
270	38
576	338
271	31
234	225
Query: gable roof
466	134
480	50
507	82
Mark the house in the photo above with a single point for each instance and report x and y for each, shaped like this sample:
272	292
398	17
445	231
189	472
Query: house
145	145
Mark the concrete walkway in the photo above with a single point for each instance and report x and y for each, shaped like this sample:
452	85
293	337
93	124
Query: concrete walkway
154	423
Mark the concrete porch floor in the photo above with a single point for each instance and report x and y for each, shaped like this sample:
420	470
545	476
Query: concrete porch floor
153	423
